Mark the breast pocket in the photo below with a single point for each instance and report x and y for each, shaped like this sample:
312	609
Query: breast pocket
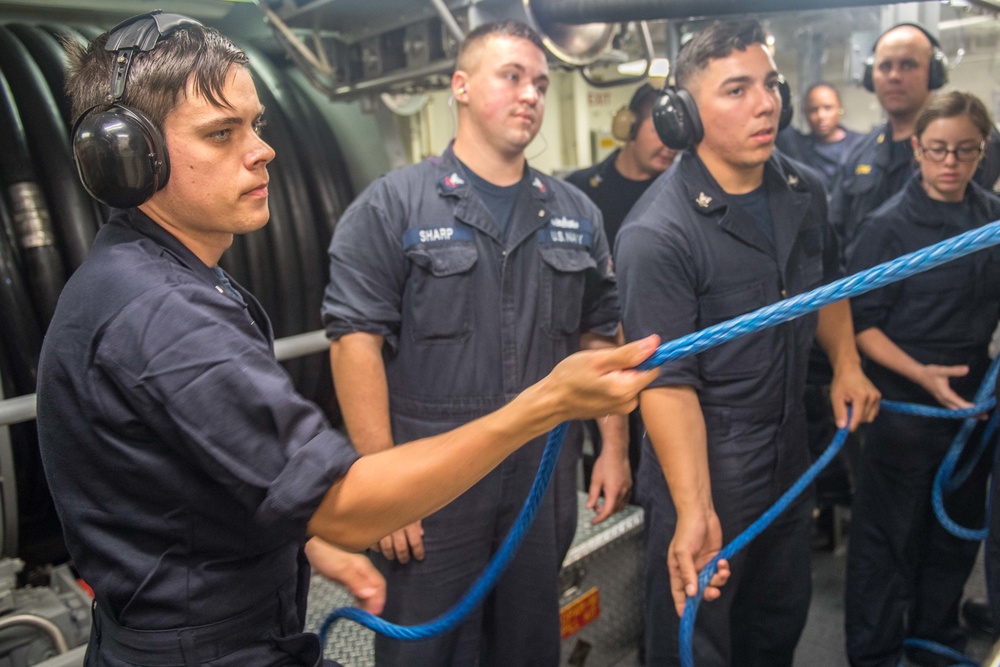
744	357
564	279
438	307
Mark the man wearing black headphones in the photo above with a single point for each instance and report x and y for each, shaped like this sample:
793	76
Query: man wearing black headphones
905	68
186	471
732	227
617	182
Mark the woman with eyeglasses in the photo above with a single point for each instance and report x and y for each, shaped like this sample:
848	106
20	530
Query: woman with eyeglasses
924	340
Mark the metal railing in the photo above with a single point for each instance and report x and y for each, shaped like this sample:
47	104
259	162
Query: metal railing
23	409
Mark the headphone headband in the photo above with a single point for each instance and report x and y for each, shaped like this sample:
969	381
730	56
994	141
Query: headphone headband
139	33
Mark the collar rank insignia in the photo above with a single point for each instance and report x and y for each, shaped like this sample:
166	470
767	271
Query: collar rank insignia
595	180
703	200
453	181
793	180
538	185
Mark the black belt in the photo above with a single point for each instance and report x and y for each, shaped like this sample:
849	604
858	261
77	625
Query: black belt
184	647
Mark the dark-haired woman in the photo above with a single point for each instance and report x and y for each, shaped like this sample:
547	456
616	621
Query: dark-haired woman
925	340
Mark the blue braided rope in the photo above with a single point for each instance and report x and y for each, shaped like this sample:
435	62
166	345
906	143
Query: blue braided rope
920	410
482	586
946	479
961	660
943	481
859	283
873	278
744	538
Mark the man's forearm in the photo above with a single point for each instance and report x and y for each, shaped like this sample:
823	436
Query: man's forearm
835	333
613	428
676	428
362	390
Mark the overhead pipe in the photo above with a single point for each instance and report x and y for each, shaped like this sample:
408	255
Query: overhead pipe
581	12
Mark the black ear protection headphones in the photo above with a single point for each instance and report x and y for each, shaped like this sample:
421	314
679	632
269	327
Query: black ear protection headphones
625	122
120	153
676	119
938	72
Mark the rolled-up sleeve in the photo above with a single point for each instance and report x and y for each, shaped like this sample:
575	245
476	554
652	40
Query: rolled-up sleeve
367	268
657	286
874	247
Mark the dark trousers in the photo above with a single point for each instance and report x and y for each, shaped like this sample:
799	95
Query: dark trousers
760	615
905	573
833	484
518	623
993	548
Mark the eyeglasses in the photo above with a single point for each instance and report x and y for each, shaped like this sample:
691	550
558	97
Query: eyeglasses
962	153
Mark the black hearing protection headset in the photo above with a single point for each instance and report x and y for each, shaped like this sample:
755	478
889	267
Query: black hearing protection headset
625	123
675	116
937	74
120	153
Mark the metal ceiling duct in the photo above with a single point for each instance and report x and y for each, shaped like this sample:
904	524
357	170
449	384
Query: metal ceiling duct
578	12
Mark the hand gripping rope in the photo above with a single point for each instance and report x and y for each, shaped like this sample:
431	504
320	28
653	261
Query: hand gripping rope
777	313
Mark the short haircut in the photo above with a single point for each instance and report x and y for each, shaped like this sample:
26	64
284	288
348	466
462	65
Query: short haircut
955	103
508	28
157	80
821	84
643	100
716	41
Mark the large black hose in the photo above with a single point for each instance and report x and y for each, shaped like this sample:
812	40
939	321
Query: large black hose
42	265
48	138
48	54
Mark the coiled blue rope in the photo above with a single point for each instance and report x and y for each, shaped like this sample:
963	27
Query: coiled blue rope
777	313
482	586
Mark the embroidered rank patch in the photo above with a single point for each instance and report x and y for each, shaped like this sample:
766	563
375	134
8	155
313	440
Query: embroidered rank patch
863	169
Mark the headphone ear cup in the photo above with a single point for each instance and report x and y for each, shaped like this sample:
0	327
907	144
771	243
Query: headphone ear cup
938	72
675	117
866	78
120	155
785	119
623	124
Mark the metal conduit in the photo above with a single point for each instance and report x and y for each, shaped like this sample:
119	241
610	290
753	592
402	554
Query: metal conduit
580	12
22	408
43	624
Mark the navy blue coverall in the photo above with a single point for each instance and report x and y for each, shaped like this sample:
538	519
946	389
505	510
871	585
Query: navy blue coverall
470	317
905	573
688	258
183	464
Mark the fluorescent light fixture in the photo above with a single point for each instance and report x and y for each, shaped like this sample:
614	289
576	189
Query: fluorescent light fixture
660	67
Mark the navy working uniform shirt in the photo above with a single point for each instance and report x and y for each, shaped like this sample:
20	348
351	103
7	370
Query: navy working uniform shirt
420	261
183	463
712	262
943	316
613	193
